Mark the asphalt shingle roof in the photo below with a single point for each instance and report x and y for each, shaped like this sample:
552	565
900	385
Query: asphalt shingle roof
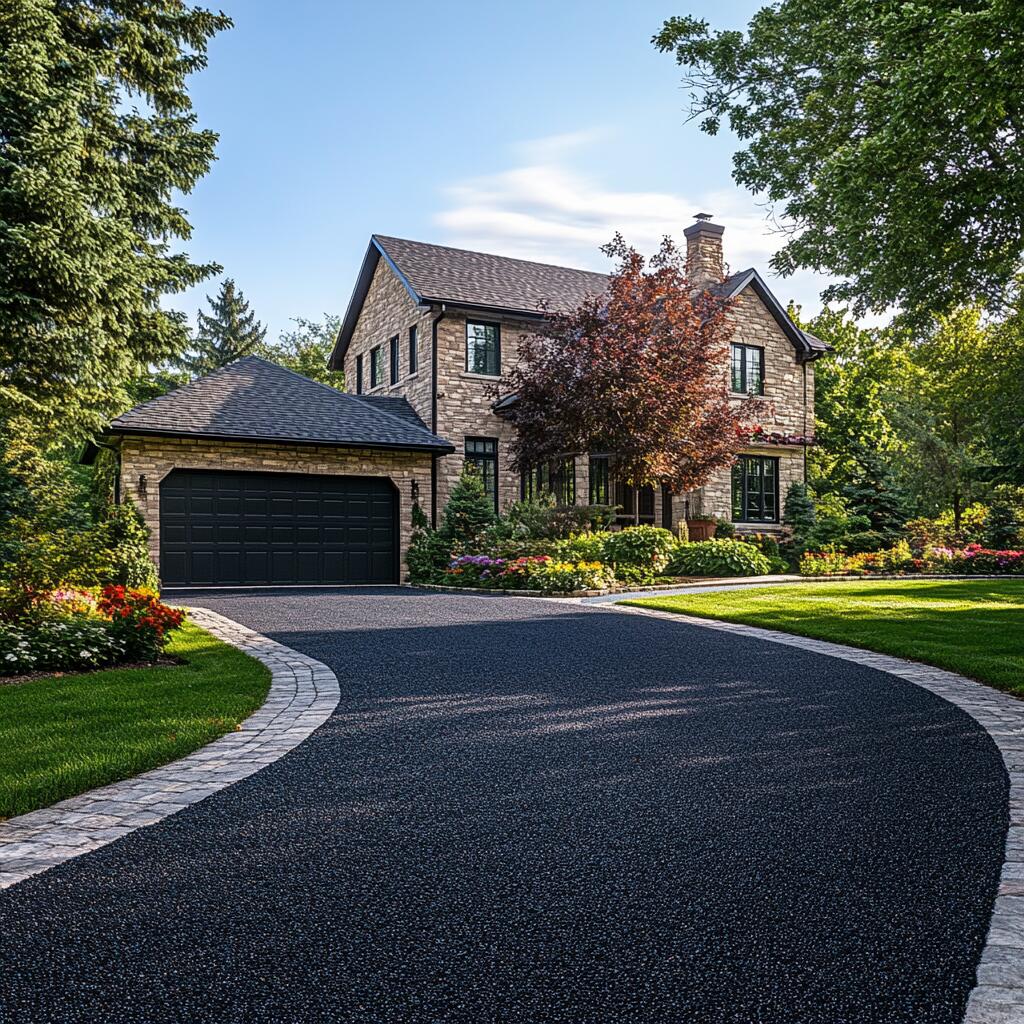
399	407
443	274
253	399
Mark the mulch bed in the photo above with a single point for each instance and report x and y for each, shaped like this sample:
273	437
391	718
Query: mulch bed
164	661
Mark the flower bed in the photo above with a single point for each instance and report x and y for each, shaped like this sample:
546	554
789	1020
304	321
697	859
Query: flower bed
970	560
532	572
73	629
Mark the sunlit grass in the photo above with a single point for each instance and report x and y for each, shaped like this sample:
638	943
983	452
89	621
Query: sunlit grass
975	627
63	735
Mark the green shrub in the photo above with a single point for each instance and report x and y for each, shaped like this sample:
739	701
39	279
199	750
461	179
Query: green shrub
634	575
862	541
428	556
650	547
724	529
823	563
541	518
127	541
584	547
1004	525
521	547
719	558
79	641
558	577
798	511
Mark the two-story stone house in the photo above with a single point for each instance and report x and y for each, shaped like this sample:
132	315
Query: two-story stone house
255	475
439	327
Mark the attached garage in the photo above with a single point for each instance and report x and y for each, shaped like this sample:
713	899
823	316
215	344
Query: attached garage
265	529
257	476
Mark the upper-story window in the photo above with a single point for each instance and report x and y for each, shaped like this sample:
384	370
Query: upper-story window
747	370
483	348
376	369
393	346
414	355
359	374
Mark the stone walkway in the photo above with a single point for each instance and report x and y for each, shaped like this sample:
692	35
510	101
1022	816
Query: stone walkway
303	693
998	997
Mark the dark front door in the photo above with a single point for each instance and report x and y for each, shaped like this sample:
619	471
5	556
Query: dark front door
260	529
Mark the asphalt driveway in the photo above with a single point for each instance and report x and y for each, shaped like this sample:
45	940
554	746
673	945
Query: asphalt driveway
529	812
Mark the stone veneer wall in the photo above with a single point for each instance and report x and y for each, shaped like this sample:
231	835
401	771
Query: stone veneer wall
465	400
155	457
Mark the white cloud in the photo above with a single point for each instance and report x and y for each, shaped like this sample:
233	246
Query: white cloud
547	208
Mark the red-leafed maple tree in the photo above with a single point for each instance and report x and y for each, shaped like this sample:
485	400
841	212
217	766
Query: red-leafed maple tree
639	372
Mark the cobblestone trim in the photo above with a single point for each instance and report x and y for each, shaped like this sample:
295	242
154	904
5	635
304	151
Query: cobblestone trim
998	996
303	694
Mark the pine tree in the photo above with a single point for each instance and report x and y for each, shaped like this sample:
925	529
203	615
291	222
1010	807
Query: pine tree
98	142
228	332
469	511
798	511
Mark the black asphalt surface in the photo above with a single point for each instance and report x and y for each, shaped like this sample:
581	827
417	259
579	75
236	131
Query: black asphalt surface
534	812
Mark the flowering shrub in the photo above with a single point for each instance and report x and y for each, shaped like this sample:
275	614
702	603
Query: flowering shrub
553	577
77	642
139	620
584	547
719	558
899	559
473	570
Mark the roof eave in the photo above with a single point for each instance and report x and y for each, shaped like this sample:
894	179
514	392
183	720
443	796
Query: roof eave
806	352
443	448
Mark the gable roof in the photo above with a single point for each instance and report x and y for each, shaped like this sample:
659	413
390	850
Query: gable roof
434	274
256	400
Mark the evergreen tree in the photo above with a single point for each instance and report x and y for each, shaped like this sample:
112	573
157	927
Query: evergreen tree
228	332
97	142
798	512
873	493
469	510
1004	525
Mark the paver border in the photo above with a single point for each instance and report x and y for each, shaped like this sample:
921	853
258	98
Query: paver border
303	694
998	995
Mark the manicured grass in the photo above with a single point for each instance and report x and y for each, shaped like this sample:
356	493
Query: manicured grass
64	735
974	627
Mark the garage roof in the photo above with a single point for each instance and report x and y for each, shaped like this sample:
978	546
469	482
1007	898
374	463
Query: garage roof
256	400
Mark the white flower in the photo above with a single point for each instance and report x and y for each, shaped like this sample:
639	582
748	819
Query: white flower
85	654
12	657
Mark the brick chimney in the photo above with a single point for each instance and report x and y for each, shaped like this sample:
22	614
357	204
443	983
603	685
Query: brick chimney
704	262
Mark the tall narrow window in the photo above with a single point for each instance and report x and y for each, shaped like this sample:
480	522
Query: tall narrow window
393	345
563	480
414	355
359	374
483	348
747	370
599	480
625	497
755	489
482	452
376	370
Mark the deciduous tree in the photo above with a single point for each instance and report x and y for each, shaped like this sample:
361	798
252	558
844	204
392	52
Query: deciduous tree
891	134
639	371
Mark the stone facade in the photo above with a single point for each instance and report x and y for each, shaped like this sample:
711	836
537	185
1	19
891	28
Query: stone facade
465	400
152	458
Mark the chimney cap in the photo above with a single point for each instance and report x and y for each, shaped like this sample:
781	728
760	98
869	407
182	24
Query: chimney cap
702	216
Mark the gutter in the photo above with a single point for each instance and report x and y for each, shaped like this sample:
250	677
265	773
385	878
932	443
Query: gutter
433	411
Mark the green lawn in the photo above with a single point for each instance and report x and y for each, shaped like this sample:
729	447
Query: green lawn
64	735
975	627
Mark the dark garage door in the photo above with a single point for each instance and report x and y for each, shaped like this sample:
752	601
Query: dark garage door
253	529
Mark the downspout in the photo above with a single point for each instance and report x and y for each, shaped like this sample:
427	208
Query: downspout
805	421
433	412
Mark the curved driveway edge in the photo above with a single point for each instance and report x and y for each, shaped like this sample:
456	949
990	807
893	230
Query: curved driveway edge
998	997
303	694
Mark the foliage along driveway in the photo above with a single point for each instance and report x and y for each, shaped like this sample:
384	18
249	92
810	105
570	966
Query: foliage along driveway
529	811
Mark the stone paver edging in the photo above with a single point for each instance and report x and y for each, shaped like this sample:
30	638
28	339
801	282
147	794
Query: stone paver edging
998	997
303	693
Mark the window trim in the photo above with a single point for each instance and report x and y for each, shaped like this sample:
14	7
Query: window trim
393	356
744	389
414	354
740	464
359	374
491	457
376	370
497	346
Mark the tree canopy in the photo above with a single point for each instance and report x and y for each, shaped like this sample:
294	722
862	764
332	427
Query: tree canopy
228	332
638	371
97	135
307	348
890	134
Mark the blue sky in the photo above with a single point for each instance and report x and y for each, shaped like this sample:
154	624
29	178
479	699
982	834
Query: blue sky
532	129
